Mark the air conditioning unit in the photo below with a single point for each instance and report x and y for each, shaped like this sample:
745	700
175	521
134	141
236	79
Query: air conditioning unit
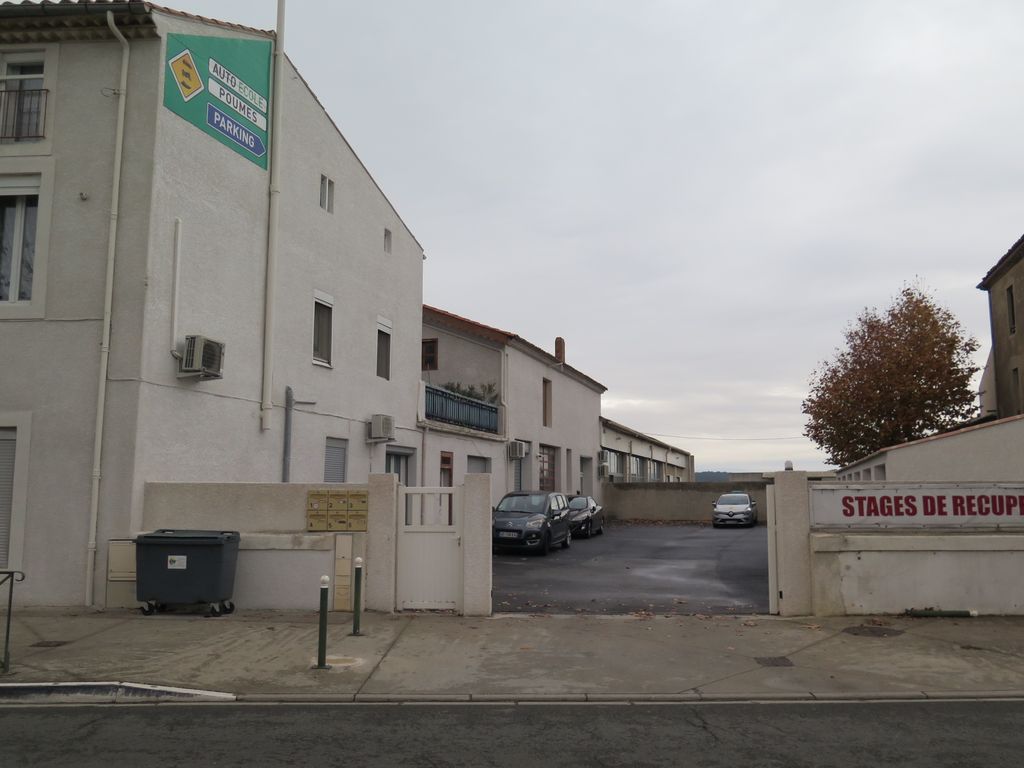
382	427
602	457
202	358
602	469
516	449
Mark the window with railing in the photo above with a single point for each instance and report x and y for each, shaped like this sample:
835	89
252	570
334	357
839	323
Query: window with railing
451	408
22	101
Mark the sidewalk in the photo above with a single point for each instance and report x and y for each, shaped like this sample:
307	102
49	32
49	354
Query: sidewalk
268	655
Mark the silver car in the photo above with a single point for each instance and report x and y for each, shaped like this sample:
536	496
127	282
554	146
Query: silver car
735	508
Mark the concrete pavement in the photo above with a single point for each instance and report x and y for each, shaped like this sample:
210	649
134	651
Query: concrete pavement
268	655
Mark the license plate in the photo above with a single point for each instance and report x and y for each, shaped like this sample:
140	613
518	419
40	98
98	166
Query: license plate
508	534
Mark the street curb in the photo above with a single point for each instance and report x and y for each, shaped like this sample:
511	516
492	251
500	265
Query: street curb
104	693
138	693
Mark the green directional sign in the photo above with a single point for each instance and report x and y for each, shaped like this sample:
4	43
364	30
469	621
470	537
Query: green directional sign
222	86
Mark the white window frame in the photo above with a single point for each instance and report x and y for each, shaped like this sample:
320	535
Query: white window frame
21	422
383	326
32	54
30	176
327	193
326	300
20	187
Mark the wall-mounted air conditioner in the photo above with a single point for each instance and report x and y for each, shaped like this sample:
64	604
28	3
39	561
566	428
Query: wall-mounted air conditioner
516	449
381	427
602	457
602	469
201	358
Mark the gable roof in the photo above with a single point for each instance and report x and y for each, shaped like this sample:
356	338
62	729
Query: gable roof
443	319
641	436
932	438
1010	258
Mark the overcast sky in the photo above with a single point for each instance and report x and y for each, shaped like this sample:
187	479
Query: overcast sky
698	196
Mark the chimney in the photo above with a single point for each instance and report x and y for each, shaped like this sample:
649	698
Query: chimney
560	349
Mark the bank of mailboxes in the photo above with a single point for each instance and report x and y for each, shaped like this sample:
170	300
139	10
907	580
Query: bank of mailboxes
330	510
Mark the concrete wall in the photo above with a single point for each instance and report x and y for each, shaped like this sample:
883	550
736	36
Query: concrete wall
843	571
463	359
687	502
280	563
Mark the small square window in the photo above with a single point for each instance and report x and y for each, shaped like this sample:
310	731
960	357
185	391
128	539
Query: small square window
327	194
322	321
429	355
387	241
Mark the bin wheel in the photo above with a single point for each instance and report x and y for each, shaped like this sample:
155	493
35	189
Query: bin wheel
215	609
228	607
147	609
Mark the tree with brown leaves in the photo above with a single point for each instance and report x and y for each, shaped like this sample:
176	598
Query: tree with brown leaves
905	374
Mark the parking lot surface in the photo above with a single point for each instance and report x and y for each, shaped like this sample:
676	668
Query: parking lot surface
640	568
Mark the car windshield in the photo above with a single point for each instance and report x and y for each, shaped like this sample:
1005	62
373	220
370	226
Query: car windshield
580	502
532	503
734	498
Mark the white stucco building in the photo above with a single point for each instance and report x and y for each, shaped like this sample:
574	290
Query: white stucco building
137	213
541	430
628	456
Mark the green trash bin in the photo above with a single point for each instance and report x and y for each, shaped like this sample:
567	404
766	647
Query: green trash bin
186	567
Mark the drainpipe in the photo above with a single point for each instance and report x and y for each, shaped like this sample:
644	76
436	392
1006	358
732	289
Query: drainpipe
266	402
286	461
174	289
108	302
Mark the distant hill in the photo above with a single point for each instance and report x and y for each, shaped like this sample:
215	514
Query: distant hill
712	477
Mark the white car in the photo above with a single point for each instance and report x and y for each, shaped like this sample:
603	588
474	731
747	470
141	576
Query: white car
735	508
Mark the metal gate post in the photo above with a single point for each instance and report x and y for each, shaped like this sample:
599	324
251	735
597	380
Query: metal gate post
10	577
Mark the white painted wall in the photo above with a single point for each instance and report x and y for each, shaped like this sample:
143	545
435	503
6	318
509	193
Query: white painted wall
160	428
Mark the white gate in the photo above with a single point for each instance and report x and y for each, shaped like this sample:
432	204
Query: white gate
430	559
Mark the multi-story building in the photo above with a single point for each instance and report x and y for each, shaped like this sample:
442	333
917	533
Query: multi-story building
1005	286
165	311
494	402
628	456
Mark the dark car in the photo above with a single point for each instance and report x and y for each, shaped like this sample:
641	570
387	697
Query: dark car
586	516
736	508
531	520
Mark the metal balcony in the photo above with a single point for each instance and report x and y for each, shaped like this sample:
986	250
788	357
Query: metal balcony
442	405
22	114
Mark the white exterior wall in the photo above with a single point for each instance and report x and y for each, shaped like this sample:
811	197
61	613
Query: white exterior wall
158	427
676	463
986	453
462	359
575	422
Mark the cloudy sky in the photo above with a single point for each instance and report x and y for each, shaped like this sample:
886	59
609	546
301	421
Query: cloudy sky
697	195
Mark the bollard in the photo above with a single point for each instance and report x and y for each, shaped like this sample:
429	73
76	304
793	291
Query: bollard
357	598
321	651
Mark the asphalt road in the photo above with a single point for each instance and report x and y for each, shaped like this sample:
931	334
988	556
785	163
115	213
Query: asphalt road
818	735
662	569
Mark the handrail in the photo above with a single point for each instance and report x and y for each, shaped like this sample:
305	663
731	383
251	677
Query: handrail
444	405
9	577
23	114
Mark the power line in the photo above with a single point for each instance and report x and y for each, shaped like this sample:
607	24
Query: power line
748	439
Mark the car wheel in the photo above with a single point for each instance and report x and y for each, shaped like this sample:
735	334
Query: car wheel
568	540
545	546
587	530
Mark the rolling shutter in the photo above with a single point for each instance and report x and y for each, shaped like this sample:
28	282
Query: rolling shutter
7	444
335	460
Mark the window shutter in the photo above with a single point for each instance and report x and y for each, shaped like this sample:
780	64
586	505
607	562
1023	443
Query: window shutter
7	444
335	460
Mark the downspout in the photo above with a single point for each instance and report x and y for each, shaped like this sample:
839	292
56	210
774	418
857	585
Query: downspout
286	461
108	302
266	402
174	289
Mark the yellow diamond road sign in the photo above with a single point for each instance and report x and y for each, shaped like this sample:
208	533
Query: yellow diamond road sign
186	75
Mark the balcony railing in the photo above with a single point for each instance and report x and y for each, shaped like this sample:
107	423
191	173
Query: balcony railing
442	405
22	114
